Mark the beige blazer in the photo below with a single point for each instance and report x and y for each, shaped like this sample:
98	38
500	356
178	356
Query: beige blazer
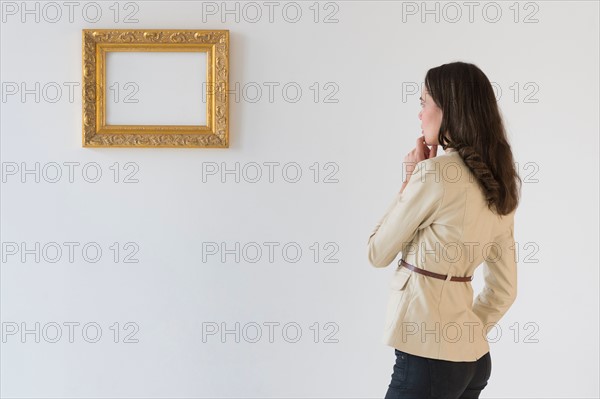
440	223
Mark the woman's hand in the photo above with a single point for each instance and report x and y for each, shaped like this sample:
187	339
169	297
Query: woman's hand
418	154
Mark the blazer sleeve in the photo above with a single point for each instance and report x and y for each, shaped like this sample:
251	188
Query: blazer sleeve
500	277
413	209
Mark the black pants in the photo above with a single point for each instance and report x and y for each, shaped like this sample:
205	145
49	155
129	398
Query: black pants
420	377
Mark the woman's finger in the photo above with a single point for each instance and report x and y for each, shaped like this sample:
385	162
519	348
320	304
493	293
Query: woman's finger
432	151
423	150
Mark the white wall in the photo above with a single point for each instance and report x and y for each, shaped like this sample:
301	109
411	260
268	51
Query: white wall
371	56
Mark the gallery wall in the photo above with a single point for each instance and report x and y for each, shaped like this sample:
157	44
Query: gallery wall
243	271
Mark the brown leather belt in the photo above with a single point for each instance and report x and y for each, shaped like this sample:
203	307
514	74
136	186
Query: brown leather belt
432	274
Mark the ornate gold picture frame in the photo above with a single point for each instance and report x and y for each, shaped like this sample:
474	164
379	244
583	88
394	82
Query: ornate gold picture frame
97	42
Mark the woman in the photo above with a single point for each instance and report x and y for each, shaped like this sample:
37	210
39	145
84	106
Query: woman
453	213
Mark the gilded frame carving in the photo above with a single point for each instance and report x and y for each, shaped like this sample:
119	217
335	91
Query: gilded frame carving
96	133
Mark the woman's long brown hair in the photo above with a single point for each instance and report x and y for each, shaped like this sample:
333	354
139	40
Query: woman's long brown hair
472	119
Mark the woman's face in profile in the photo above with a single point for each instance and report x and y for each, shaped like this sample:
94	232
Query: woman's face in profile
431	118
